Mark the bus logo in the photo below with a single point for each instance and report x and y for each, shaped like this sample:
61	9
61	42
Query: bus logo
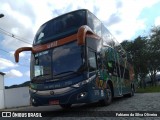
52	92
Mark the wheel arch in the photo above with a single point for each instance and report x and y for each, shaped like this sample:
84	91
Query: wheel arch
109	82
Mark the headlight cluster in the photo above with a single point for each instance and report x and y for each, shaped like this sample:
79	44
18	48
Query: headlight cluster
84	82
32	90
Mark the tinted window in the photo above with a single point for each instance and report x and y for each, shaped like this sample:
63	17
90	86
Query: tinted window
60	27
92	61
107	37
41	66
94	23
93	43
67	59
126	75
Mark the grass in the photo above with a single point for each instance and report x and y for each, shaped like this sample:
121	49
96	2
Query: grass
149	89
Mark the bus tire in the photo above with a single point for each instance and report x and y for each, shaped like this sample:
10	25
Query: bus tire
33	104
109	97
66	106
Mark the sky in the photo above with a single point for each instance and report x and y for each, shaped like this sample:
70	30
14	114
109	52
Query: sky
125	19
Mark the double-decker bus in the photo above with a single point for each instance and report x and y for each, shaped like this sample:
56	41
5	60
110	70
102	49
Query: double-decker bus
75	59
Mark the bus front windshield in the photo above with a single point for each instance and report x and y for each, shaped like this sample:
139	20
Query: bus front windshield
58	62
66	59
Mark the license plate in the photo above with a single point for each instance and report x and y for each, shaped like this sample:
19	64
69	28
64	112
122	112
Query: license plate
54	102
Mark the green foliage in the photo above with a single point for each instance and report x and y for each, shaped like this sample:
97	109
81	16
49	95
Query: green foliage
144	54
148	89
136	56
25	84
153	50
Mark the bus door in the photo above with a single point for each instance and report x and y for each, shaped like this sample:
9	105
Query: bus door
91	49
94	63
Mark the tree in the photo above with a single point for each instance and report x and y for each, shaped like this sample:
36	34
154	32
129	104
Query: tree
139	58
153	53
127	46
144	53
136	51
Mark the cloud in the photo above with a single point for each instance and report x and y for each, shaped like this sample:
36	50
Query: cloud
27	73
13	73
22	54
4	63
16	22
122	18
157	21
25	17
125	19
113	19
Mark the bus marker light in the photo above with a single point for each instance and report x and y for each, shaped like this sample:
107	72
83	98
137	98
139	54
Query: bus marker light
33	100
52	92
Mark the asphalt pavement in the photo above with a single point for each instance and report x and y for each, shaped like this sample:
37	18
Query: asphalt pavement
141	106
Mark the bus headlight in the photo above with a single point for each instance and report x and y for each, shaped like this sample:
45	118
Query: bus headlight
81	95
84	82
32	90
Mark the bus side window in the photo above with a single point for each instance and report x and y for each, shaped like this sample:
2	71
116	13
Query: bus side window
99	61
92	61
126	75
110	67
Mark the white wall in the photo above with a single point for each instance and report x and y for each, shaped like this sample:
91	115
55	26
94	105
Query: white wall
14	97
17	97
1	82
1	91
1	99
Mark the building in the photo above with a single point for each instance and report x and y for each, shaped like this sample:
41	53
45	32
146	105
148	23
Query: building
2	90
14	97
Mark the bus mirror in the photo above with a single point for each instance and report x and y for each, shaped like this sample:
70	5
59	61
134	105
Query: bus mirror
82	31
16	54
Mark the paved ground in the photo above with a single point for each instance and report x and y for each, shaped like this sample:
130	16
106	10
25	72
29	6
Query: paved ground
140	104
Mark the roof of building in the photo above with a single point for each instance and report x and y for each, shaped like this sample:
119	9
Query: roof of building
1	73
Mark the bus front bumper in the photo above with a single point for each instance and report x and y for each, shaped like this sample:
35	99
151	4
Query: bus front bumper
70	95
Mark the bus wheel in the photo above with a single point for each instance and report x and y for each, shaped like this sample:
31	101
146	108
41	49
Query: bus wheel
66	106
32	103
109	97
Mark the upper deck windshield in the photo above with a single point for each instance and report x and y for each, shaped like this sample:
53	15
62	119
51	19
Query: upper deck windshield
60	27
